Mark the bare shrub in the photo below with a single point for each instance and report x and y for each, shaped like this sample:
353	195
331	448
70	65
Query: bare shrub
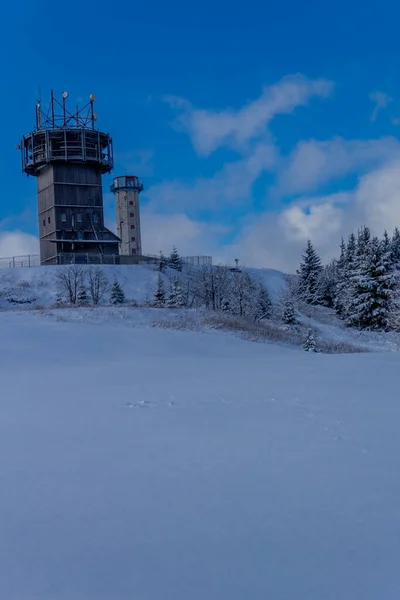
340	347
69	281
98	283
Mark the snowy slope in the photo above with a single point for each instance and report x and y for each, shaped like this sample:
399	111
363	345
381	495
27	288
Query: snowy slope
37	287
39	284
143	464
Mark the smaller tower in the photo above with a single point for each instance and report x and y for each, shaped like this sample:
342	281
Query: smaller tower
127	189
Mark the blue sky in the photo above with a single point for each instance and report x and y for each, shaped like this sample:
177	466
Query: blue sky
252	126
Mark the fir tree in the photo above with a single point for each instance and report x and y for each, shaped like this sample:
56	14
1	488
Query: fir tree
395	246
117	295
310	345
340	280
82	297
176	299
162	263
264	304
175	261
326	285
289	314
373	285
159	296
309	273
346	272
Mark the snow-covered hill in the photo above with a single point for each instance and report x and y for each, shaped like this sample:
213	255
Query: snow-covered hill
36	288
38	285
141	463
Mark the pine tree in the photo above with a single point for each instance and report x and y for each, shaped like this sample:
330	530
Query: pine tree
340	280
309	272
159	296
289	314
264	304
395	244
162	263
82	297
373	285
176	299
175	261
117	295
346	273
326	285
310	345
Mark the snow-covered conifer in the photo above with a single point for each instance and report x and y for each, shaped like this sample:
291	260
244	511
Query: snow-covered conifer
176	299
373	285
309	273
117	295
289	313
326	285
162	263
395	244
159	296
346	270
263	304
82	297
175	261
310	344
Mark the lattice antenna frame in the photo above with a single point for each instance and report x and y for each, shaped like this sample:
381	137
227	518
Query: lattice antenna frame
57	115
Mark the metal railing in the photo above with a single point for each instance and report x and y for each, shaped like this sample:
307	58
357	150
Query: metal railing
28	260
33	260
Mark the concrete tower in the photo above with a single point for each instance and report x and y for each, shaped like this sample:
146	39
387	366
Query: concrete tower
68	156
127	189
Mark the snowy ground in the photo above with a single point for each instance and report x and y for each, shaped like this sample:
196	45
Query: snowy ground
147	464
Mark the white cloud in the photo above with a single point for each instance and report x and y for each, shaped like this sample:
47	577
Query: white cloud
313	163
231	185
276	240
235	128
192	238
381	101
17	243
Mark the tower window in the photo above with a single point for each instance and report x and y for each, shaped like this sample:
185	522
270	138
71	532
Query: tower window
44	222
133	250
133	239
63	218
132	227
48	220
130	202
131	214
95	218
79	218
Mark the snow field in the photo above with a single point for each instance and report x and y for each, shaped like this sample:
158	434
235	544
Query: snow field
146	463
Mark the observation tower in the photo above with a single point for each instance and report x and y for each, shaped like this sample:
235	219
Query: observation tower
68	156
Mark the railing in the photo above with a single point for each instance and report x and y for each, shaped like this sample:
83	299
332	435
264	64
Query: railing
29	260
33	260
